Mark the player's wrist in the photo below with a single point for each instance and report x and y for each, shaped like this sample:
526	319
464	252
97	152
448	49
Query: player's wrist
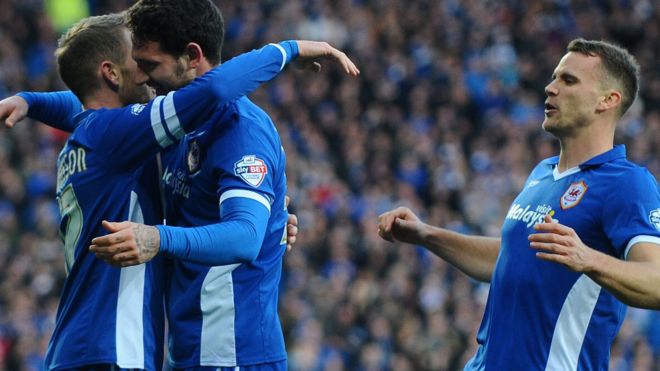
163	238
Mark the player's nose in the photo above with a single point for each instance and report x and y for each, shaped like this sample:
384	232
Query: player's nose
551	89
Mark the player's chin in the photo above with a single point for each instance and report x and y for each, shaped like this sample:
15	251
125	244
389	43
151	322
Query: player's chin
549	125
140	94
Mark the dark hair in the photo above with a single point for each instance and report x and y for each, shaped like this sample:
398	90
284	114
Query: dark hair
84	46
175	23
618	64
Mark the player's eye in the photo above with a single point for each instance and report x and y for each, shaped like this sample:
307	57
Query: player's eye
147	66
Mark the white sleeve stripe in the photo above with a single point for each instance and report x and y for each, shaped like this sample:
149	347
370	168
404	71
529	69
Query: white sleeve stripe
278	46
171	118
637	239
157	123
245	194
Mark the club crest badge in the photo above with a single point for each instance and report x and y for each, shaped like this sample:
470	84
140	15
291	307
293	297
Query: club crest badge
193	157
136	109
654	218
573	195
251	169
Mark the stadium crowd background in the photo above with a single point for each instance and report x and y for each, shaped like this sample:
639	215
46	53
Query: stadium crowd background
445	118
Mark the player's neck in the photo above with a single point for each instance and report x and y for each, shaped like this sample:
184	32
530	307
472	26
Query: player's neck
576	150
102	99
203	67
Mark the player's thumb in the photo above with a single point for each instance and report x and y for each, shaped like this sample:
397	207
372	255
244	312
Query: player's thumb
403	229
402	224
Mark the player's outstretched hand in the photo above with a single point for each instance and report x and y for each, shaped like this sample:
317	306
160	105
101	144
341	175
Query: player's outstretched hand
311	52
401	224
13	110
127	244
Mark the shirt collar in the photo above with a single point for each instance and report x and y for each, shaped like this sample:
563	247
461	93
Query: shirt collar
618	152
79	117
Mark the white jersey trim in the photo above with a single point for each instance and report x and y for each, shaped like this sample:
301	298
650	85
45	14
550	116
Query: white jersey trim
572	323
171	118
638	239
216	301
129	333
157	123
278	46
245	194
557	175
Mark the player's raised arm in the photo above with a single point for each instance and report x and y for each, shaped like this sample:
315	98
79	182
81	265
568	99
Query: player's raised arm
138	131
473	255
55	109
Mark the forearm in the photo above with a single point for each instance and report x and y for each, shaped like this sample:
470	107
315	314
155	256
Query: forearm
473	255
217	244
634	283
55	109
237	239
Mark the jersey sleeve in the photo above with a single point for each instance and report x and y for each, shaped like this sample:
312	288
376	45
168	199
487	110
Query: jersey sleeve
55	109
632	213
245	158
142	129
237	239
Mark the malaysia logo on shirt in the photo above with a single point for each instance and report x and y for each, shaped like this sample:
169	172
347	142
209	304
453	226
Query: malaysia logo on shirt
251	169
654	218
573	195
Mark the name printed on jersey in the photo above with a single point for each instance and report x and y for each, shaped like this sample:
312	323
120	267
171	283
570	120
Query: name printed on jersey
71	161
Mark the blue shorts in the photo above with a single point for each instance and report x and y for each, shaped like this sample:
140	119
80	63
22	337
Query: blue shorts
272	366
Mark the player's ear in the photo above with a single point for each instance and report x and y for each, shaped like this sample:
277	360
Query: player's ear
611	99
110	74
194	55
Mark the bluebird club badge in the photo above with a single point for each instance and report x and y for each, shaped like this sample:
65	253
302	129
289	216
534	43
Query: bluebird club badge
251	169
573	195
193	157
654	218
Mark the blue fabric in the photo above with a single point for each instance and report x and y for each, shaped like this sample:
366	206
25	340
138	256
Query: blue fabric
236	239
106	172
56	109
607	201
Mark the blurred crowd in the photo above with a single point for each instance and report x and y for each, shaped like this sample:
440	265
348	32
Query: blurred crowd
445	119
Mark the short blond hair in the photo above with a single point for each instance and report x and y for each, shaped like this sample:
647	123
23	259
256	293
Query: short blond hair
84	46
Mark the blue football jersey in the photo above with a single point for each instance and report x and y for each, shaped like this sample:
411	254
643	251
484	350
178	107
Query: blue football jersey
105	172
227	315
541	315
